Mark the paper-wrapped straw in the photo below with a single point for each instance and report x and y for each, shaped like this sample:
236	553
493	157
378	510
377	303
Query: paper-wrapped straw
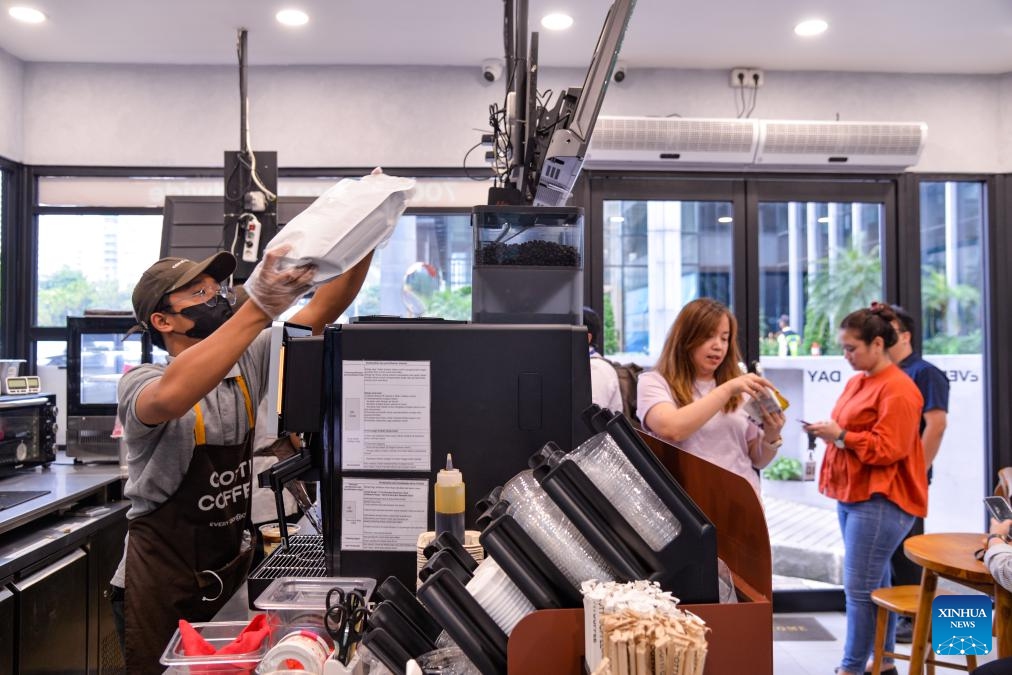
641	631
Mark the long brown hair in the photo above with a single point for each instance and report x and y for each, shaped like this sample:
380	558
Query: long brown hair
693	326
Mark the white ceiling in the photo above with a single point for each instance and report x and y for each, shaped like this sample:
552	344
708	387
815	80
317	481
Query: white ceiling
920	36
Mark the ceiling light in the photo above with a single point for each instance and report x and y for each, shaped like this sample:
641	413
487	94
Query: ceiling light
27	14
292	17
616	220
823	219
725	219
810	27
557	21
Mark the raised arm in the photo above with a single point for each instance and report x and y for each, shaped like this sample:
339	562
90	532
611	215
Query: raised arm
200	367
331	299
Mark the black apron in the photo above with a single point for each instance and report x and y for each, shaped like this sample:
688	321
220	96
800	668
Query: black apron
185	558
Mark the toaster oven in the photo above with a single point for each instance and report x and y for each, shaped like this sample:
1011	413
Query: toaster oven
27	431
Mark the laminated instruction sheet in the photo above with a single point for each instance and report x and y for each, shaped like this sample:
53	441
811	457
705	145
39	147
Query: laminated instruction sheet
381	514
385	415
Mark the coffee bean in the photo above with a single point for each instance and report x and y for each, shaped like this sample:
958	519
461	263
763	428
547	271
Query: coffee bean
537	253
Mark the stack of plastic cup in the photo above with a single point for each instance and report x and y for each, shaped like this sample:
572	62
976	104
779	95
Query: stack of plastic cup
610	470
549	528
498	595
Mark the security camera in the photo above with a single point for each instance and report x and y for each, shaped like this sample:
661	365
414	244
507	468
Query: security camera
620	71
491	69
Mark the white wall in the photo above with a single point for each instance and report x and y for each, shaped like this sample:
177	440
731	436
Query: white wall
121	115
175	116
1004	136
11	107
962	112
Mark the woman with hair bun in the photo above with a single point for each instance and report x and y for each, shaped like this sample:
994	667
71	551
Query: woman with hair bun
874	468
694	397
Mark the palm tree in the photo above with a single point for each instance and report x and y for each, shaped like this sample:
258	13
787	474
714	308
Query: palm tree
938	296
855	281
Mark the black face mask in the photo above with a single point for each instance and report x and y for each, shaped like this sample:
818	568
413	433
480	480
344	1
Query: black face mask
206	319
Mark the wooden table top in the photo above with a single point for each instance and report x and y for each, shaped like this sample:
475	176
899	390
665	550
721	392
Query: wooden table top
950	554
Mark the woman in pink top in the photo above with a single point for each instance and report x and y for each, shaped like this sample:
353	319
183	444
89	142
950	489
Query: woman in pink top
693	398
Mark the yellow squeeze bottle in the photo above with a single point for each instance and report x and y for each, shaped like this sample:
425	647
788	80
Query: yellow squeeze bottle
449	494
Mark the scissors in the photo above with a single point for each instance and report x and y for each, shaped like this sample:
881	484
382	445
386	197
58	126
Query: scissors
345	620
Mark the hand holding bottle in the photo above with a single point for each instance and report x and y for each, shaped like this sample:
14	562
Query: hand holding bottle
748	383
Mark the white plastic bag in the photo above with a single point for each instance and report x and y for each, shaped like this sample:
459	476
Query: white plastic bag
346	222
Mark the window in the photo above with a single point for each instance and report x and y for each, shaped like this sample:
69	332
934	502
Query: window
89	261
659	255
818	262
952	222
952	289
96	235
424	270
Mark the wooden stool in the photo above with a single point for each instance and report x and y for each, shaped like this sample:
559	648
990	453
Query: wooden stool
903	600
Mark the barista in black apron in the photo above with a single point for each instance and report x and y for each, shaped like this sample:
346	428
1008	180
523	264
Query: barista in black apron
185	559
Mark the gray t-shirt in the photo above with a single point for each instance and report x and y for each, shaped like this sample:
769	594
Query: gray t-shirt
158	456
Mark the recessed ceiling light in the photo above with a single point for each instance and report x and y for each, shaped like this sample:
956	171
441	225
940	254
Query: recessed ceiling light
823	219
292	17
557	21
725	219
27	14
810	27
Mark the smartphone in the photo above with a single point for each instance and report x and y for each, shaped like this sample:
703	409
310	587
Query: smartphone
999	508
804	423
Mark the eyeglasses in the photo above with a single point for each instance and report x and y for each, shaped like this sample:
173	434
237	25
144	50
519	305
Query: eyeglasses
208	295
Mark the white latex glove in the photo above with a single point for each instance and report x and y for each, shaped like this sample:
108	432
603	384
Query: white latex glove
274	289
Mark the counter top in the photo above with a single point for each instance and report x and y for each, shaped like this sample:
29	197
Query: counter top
65	483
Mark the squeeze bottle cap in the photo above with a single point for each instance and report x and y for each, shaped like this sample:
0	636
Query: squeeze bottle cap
449	476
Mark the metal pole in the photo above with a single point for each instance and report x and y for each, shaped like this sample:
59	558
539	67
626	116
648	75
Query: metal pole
243	100
518	133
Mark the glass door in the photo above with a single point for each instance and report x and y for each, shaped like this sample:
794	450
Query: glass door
820	257
792	257
951	321
663	244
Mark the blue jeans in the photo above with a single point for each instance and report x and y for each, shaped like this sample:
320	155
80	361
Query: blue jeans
872	530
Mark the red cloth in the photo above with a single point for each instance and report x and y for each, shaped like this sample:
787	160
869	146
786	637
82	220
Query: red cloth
249	640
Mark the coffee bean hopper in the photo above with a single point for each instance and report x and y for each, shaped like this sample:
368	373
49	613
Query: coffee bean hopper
528	265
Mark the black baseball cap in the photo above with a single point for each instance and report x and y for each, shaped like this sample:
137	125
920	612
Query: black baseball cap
171	274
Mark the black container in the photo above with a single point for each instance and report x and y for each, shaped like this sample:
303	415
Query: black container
396	593
528	265
466	622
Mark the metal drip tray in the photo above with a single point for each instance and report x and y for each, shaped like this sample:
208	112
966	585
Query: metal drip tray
304	559
11	498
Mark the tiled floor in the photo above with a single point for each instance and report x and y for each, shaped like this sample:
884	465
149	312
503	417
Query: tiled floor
820	658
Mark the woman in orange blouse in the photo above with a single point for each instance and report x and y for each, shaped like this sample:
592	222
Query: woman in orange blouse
874	467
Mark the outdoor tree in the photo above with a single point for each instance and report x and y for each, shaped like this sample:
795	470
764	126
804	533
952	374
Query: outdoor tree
451	304
853	279
937	296
69	292
611	341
